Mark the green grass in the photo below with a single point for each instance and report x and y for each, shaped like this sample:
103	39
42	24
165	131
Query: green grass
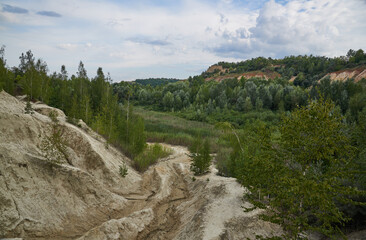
150	155
167	128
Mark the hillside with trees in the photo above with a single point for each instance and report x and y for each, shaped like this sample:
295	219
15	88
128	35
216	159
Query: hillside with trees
81	98
240	101
303	133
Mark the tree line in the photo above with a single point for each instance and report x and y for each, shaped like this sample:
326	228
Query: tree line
241	101
80	97
156	81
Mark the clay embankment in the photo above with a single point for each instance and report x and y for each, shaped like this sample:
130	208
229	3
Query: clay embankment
357	74
86	198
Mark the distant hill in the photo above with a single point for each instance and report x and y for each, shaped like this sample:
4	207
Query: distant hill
301	70
156	81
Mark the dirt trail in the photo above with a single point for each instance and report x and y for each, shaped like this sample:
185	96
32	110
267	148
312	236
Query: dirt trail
173	190
162	189
208	208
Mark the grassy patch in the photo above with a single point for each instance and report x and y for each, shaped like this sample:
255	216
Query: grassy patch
150	155
165	127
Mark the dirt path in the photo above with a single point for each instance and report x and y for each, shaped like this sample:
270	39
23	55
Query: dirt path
169	191
163	189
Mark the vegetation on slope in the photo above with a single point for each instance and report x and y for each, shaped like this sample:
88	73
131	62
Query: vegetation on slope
306	69
280	130
165	127
80	97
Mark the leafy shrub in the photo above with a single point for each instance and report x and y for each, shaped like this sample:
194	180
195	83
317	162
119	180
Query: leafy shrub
53	116
223	162
200	154
151	154
28	108
53	146
123	170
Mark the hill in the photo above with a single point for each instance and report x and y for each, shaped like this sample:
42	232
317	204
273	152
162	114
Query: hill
303	70
84	197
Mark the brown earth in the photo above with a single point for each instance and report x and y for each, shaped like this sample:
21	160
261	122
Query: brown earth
253	74
259	74
357	74
214	68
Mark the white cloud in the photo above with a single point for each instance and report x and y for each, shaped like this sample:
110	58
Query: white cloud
67	46
117	36
319	27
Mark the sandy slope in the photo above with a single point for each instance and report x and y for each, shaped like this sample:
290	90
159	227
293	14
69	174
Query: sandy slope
85	198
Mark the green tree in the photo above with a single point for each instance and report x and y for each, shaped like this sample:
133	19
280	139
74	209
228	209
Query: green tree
200	154
53	146
357	103
138	136
258	104
27	68
248	105
222	100
240	103
168	101
303	176
43	80
6	77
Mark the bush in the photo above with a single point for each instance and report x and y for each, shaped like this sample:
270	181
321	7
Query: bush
151	154
53	116
200	154
223	162
28	108
123	170
54	145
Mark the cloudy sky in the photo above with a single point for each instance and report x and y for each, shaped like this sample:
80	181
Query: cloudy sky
175	38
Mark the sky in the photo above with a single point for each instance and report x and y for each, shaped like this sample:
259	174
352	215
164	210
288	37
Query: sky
175	38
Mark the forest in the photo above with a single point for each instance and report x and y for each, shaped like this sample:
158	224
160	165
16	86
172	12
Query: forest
298	147
156	81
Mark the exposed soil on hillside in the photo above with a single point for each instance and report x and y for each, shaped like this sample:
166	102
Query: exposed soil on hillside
84	197
253	74
357	74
